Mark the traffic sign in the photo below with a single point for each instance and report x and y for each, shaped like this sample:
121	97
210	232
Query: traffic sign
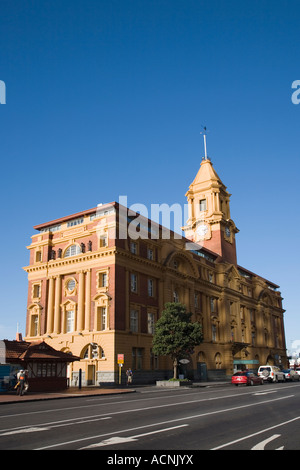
120	358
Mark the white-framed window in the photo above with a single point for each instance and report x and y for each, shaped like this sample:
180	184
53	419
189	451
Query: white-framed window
70	321
150	254
134	321
133	282
151	323
73	222
103	280
72	251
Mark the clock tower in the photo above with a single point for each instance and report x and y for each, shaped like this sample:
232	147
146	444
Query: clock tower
209	223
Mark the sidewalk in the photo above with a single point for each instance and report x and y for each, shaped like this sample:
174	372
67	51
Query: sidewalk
72	392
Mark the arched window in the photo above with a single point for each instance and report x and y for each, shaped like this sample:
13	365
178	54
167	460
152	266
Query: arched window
72	251
93	351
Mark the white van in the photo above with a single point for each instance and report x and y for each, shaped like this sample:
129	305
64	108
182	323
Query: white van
271	373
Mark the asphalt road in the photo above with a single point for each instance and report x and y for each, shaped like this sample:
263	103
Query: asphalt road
182	421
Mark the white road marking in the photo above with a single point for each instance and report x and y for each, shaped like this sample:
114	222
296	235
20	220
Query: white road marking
52	410
68	422
225	410
261	445
121	440
256	433
22	431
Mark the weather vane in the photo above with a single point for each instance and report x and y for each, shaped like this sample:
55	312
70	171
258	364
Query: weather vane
204	133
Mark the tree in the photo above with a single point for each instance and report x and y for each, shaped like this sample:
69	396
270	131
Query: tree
175	334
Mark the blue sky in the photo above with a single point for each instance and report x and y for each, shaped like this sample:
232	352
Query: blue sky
122	87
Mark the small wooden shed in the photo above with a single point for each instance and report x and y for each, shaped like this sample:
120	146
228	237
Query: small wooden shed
47	367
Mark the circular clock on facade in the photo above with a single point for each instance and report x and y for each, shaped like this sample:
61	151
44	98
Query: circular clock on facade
227	231
202	230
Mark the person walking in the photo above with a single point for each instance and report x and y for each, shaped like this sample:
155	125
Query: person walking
22	380
129	375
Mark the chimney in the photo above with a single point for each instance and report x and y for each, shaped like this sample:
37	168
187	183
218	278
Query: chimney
19	337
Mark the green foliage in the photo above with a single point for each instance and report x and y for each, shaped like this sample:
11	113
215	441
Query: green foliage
175	334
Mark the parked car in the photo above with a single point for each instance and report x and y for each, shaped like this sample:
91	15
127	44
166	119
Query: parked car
246	378
291	374
298	370
271	373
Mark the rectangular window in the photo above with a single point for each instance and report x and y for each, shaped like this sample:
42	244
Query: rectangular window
36	291
153	361
103	318
133	283
75	222
133	248
104	280
137	358
34	325
151	323
134	324
103	241
203	205
70	321
214	332
150	287
150	254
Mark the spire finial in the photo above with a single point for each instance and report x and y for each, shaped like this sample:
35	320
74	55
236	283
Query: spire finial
204	133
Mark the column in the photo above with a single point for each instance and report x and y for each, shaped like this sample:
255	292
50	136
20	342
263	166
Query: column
80	319
57	317
50	306
87	315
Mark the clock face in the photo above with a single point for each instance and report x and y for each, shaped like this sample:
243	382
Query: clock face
202	230
227	231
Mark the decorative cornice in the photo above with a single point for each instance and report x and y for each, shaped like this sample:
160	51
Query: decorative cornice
70	261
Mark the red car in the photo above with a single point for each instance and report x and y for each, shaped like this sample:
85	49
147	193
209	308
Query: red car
246	378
